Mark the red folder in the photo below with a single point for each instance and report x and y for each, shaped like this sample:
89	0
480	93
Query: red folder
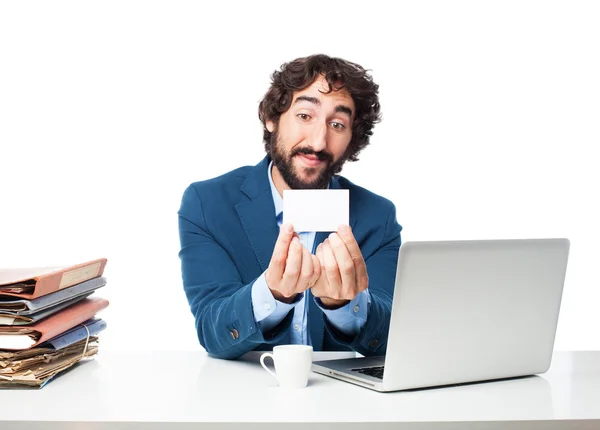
26	337
38	281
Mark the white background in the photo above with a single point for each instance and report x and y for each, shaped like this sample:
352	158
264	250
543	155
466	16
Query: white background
108	110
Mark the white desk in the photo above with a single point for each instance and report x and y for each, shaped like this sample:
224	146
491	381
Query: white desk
185	390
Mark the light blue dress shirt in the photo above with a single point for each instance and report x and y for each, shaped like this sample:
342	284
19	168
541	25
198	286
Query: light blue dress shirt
269	312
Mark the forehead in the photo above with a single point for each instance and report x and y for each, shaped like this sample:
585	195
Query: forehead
319	89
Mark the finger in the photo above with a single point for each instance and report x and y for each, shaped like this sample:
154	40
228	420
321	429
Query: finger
319	255
321	283
345	234
316	270
293	266
306	272
280	252
332	272
360	266
345	265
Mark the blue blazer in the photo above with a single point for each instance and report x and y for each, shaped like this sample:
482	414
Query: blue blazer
228	229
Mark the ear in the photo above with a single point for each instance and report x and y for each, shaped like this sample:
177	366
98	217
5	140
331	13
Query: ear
270	126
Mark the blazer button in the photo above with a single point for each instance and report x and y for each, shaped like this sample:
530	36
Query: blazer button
374	343
232	335
236	334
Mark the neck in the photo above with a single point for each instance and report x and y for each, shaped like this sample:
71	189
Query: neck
278	181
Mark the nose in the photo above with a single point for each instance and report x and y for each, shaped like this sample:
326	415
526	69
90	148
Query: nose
318	137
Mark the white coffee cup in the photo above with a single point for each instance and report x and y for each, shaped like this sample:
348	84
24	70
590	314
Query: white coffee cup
292	364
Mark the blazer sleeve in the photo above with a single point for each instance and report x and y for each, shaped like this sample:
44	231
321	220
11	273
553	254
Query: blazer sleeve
381	269
220	302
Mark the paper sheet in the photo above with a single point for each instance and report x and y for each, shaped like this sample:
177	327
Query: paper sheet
316	210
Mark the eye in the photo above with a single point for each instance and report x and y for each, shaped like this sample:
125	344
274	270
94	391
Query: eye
338	126
303	117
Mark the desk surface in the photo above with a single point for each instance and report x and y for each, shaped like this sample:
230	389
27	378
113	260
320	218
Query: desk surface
180	390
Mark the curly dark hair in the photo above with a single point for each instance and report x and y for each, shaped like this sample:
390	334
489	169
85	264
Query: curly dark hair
302	72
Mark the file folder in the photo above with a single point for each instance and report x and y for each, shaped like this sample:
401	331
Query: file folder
41	366
14	306
7	318
24	337
80	332
30	283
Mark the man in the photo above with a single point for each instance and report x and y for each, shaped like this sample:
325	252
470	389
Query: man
253	283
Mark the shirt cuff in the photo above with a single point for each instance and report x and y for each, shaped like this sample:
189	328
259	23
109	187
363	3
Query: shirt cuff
351	318
268	312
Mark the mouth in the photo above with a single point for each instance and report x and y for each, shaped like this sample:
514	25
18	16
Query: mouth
309	160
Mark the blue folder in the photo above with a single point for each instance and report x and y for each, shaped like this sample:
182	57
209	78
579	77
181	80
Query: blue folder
77	333
28	307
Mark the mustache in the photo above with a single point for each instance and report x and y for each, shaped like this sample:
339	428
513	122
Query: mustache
321	155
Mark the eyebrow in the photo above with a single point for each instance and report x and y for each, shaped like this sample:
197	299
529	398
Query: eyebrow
316	101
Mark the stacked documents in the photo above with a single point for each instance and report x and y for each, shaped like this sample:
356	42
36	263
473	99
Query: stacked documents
48	321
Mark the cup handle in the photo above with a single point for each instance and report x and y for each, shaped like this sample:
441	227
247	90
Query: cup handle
262	363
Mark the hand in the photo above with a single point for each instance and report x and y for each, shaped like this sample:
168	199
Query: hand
292	269
343	269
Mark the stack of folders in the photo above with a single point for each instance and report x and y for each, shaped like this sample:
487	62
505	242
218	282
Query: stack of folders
48	321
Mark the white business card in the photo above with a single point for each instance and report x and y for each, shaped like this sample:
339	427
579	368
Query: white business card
316	210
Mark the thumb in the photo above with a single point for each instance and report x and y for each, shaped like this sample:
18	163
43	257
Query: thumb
316	266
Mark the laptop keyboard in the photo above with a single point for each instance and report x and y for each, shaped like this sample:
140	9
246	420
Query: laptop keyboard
376	372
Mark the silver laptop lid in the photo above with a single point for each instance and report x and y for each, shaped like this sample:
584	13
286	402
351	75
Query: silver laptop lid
474	310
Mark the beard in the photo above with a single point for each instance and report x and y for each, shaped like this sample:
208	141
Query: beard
289	173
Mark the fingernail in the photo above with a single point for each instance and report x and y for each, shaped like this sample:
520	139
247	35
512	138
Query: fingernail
295	240
287	228
330	236
344	229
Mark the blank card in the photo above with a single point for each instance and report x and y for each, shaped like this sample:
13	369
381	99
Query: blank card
316	210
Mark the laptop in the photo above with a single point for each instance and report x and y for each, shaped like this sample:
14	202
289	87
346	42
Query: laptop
466	311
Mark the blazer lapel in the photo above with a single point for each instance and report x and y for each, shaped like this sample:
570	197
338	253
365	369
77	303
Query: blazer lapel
257	214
